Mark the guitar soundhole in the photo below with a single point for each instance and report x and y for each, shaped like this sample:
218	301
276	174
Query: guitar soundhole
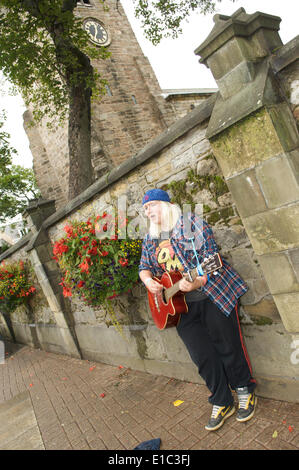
163	296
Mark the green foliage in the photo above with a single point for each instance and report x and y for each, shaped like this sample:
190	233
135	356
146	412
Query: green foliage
6	151
3	247
45	51
97	264
17	184
164	18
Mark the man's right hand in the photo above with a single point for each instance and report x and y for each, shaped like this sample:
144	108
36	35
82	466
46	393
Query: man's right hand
154	287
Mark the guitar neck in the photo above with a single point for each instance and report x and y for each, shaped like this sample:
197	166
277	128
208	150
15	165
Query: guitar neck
209	265
171	291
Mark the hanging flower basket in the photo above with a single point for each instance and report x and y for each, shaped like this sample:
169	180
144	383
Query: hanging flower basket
16	286
97	264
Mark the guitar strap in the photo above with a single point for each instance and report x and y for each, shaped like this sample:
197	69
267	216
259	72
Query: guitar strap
199	268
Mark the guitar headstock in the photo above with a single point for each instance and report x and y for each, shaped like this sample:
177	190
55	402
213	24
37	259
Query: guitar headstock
212	263
209	265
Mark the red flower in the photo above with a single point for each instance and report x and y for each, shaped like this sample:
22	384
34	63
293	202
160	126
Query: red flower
60	248
67	292
105	253
69	230
80	284
84	267
123	261
92	251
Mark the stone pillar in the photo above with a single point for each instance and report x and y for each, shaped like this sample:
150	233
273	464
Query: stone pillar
256	143
47	273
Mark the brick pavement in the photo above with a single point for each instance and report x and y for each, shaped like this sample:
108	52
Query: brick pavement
136	406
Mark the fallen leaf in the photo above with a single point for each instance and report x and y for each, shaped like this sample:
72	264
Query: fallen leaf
275	434
178	402
291	428
102	395
91	368
30	385
120	367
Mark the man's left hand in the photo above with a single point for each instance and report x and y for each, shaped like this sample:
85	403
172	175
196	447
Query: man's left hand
187	286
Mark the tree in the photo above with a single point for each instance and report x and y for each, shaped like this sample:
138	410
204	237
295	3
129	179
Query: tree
46	53
164	18
17	184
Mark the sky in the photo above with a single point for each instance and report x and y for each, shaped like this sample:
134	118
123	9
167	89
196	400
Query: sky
173	60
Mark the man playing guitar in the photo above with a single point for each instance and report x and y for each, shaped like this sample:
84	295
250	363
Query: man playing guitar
209	325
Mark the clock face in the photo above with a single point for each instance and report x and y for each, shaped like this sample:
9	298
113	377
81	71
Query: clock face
96	31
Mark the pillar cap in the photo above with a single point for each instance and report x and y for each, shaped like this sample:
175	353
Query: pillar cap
240	24
36	203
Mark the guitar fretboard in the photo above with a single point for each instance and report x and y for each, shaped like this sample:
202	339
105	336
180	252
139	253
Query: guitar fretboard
211	264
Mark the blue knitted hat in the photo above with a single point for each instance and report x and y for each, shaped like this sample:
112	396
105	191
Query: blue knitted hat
155	195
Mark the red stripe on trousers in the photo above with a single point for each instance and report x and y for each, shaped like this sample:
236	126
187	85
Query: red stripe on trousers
243	345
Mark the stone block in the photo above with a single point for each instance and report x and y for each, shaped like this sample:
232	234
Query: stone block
201	148
247	193
186	159
247	143
285	126
279	273
264	310
278	182
207	166
102	340
275	230
269	355
44	252
288	306
225	59
55	339
294	259
243	262
293	158
236	79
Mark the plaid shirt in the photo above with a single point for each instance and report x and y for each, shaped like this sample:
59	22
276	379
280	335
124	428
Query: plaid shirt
223	289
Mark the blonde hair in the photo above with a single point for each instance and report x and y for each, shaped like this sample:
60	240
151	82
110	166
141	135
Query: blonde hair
170	214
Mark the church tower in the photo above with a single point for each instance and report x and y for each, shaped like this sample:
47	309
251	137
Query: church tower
131	113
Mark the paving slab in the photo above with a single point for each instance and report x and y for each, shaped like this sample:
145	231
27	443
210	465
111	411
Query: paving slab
18	426
56	402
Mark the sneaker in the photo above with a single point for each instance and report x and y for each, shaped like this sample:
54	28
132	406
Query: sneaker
247	404
218	416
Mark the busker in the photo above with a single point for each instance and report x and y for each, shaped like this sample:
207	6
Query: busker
210	329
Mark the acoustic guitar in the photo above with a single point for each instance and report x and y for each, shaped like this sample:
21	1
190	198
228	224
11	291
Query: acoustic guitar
168	305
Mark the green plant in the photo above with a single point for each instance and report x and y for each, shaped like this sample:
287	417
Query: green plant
98	259
15	285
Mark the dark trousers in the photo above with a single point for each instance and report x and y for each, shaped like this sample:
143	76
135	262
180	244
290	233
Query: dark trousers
215	344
